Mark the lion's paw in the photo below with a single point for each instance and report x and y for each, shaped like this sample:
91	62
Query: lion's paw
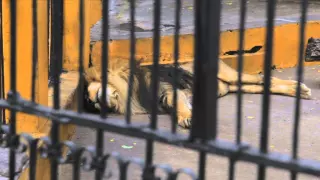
185	123
305	91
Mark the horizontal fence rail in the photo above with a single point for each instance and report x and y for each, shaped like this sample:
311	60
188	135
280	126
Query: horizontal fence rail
203	136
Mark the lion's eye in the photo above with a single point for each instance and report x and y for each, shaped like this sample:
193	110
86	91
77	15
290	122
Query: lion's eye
115	94
111	93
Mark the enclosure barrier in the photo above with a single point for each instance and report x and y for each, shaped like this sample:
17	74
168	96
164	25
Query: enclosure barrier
203	134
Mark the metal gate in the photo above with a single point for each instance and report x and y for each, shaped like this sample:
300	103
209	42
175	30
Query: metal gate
203	134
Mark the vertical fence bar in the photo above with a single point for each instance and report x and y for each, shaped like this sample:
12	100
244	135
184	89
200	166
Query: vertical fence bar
202	165
175	72
76	164
149	171
295	136
33	159
207	41
123	169
76	168
267	82
56	57
48	31
51	68
105	55
243	10
132	59
52	61
231	168
34	49
33	144
155	66
50	22
2	95
13	80
104	75
81	39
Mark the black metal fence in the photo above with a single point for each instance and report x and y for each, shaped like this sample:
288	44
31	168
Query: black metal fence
2	115
203	135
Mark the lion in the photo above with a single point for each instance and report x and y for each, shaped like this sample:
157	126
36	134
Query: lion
118	80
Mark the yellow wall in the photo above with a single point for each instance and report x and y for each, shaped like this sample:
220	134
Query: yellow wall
28	123
71	31
286	43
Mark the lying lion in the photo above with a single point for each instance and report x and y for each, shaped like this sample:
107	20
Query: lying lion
117	88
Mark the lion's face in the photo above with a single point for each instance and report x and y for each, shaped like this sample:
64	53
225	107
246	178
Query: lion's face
111	96
95	94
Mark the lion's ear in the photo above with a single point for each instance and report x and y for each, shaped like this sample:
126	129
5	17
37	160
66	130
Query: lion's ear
137	63
91	74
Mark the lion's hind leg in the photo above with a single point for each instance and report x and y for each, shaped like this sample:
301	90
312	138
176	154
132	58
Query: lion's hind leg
291	90
286	89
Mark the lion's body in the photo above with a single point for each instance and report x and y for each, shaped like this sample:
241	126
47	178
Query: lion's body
141	99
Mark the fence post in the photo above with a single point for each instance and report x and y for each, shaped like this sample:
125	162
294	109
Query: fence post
27	123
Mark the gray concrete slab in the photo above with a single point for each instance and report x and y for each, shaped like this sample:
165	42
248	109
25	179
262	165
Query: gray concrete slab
287	11
21	163
281	123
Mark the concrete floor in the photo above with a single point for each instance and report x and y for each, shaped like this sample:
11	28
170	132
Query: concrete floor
281	122
287	11
282	108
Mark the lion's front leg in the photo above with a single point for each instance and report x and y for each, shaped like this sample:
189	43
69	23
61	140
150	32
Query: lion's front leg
184	107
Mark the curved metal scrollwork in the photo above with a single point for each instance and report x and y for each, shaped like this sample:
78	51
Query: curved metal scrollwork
86	157
44	149
8	140
26	142
172	175
89	160
73	153
4	140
